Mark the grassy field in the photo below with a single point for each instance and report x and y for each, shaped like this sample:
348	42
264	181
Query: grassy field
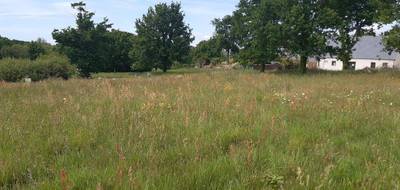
206	130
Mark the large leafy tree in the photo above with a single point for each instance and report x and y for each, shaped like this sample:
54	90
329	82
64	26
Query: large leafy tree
163	38
243	29
86	45
267	27
260	39
306	24
354	19
225	35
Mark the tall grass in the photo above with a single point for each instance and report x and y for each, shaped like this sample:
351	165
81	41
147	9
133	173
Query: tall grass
210	130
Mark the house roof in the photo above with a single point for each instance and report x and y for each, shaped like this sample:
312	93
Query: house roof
372	47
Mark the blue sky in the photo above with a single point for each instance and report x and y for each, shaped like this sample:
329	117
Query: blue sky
30	19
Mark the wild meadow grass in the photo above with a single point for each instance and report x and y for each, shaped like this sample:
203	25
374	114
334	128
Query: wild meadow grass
207	130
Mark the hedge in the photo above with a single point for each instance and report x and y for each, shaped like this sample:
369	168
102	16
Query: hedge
48	66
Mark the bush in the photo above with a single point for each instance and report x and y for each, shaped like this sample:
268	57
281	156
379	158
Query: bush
48	66
17	51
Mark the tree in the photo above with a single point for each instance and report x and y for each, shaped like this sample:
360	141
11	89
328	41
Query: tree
206	50
13	48
225	36
392	39
267	27
306	27
354	19
260	39
162	38
120	46
37	48
390	13
86	45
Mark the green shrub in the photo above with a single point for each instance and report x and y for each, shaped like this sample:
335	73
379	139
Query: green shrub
47	66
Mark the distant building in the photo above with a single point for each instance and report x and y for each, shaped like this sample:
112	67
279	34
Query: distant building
369	52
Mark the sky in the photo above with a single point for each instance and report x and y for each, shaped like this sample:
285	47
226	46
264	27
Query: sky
30	19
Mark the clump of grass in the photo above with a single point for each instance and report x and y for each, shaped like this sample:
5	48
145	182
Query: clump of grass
206	130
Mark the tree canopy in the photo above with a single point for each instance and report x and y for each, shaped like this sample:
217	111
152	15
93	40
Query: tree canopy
163	38
206	51
306	26
392	13
94	47
267	29
225	36
257	32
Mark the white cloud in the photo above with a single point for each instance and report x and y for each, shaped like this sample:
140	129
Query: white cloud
29	9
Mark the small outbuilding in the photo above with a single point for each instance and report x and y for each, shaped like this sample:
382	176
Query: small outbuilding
369	52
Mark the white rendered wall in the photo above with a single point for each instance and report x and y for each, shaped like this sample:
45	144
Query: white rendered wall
326	64
397	62
366	63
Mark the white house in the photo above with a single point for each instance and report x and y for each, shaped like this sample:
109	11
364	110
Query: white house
369	52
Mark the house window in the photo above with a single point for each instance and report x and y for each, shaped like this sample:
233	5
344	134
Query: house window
352	65
333	63
385	65
373	65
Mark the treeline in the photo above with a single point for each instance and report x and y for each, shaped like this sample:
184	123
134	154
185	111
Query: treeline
162	39
95	47
23	50
261	31
33	61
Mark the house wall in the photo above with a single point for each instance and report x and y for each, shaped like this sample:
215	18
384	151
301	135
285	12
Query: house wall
326	64
397	62
366	63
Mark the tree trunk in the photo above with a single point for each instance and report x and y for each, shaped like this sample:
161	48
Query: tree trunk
164	64
229	57
262	67
303	63
346	65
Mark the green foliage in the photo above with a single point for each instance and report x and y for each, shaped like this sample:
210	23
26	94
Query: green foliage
162	38
225	36
392	39
353	19
13	48
7	42
119	48
206	51
36	49
47	66
263	36
392	12
263	29
17	51
23	50
86	45
306	29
